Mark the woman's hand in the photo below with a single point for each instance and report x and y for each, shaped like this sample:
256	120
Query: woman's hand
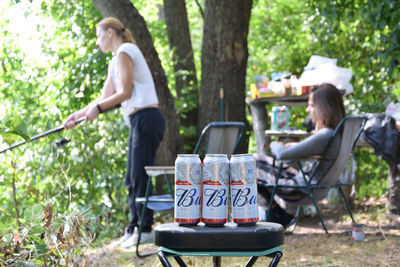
89	113
92	113
70	122
276	147
291	144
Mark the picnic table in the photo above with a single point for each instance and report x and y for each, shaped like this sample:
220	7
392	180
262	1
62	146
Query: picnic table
261	120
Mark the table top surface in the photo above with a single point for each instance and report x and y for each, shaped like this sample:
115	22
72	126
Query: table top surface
159	170
289	100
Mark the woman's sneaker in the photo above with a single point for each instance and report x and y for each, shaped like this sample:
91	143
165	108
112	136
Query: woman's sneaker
145	237
291	226
124	238
130	242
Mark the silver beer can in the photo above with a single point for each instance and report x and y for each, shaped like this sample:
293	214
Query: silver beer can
243	189
187	189
215	189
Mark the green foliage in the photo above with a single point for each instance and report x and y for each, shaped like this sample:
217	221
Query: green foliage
49	237
13	128
85	176
57	69
364	36
376	19
371	174
67	74
280	39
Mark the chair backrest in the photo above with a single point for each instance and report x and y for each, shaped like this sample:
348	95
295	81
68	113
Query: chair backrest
350	128
220	138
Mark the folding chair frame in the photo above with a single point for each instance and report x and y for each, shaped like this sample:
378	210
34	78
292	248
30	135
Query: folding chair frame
154	172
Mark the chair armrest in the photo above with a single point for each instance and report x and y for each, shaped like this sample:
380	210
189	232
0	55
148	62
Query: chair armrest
159	170
312	157
317	157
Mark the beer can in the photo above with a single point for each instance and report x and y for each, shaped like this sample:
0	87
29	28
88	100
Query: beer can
357	231
215	189
187	189
243	189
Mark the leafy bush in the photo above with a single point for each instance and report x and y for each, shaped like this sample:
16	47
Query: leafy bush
371	174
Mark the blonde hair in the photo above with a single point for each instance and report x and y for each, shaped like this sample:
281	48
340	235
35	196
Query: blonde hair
118	27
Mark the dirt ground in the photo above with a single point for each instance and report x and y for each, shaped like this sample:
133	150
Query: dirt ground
308	245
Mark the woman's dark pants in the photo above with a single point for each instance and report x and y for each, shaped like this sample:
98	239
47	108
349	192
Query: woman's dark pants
146	133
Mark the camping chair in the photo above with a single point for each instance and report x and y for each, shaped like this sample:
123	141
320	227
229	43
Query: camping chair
350	129
216	138
219	138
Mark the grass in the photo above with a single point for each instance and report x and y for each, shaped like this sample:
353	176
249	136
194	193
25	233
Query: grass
307	246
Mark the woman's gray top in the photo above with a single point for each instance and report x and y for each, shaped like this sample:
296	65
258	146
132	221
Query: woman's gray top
311	146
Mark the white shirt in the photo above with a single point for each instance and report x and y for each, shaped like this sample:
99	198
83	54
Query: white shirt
144	91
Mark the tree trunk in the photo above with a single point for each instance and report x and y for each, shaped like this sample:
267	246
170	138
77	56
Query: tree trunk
393	200
130	17
185	71
224	60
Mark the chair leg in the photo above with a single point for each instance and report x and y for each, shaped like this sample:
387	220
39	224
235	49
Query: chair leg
217	261
273	192
271	201
276	259
163	259
170	186
179	260
319	213
298	212
346	202
269	208
139	235
142	219
251	262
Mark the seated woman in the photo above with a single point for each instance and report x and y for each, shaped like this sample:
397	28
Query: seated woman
326	109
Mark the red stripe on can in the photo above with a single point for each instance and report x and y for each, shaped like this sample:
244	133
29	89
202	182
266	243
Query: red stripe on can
214	220
247	220
187	220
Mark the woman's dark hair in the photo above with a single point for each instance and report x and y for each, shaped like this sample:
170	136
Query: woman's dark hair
329	103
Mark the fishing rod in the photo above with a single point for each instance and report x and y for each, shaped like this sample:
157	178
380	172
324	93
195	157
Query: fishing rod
52	131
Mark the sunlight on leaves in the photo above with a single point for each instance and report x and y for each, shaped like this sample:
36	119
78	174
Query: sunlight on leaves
13	129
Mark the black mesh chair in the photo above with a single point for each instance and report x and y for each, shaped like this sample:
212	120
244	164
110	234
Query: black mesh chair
219	138
216	138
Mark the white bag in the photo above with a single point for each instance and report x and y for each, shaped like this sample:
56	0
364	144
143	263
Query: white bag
315	61
324	70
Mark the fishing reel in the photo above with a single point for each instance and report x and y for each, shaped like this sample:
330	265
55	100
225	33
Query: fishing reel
62	141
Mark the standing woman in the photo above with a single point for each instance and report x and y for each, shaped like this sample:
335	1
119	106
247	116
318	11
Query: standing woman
129	83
